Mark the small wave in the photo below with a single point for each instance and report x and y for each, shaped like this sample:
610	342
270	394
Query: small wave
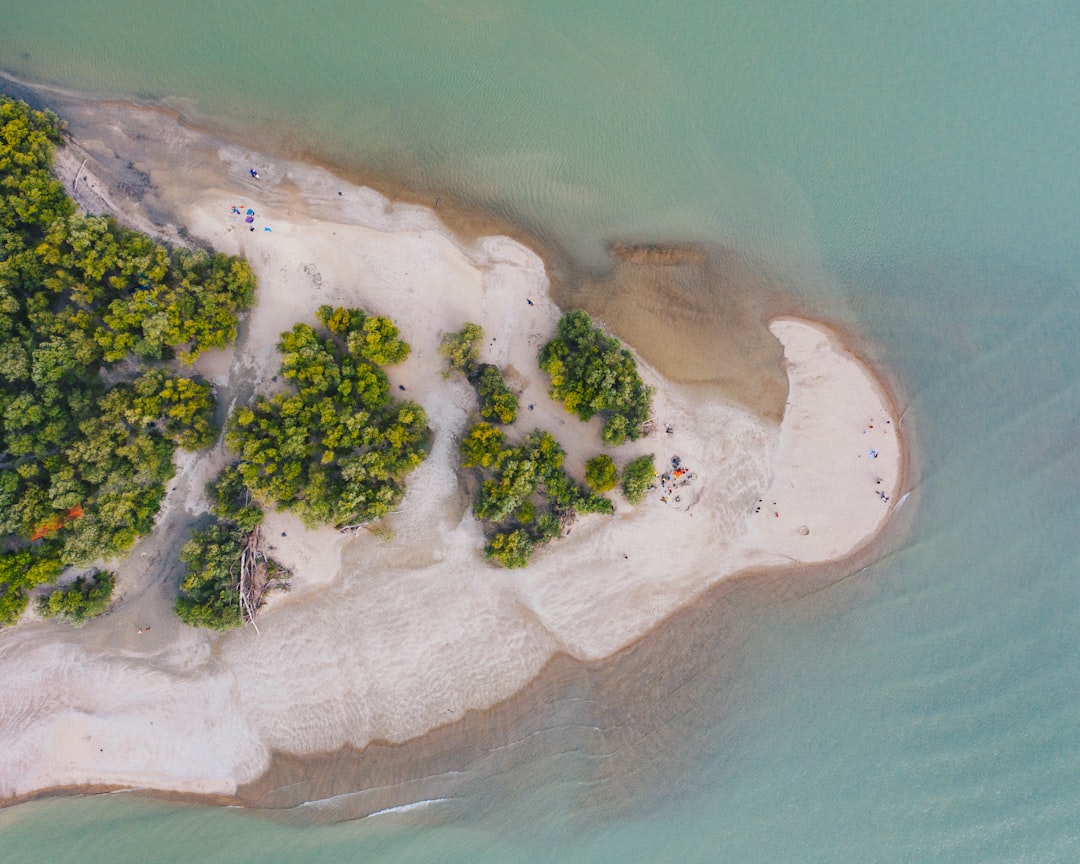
405	808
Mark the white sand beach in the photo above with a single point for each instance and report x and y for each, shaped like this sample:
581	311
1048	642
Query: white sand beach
385	638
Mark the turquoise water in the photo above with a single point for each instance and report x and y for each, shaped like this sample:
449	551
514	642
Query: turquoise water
910	168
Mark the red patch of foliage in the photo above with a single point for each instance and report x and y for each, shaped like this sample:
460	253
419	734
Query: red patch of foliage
56	523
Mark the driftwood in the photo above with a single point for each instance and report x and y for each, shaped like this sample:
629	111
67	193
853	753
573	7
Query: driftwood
75	182
254	576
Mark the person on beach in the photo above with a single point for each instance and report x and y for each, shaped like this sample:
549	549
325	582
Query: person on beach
254	173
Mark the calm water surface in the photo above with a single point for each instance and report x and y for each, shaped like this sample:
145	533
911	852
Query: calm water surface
909	168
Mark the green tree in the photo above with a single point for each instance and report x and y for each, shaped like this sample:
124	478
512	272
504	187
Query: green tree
482	446
83	462
231	500
21	570
498	403
638	476
340	321
512	549
462	349
338	449
600	473
378	341
525	494
209	593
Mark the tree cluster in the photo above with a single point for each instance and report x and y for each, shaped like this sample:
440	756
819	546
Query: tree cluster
498	403
525	494
84	455
337	448
210	592
20	571
591	373
83	599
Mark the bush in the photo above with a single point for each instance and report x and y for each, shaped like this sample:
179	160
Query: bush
637	477
377	340
525	492
82	600
231	500
600	473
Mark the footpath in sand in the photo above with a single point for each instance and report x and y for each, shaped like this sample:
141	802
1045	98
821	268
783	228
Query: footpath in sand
385	639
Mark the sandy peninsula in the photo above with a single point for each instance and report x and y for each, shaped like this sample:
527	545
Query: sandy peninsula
384	638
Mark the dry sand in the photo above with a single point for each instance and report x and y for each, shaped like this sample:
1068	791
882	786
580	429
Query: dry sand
385	639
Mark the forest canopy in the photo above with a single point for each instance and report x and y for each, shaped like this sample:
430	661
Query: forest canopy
93	317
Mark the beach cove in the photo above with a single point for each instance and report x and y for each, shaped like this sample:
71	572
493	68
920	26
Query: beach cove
385	640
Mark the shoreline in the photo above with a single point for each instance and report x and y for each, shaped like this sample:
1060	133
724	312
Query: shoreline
305	264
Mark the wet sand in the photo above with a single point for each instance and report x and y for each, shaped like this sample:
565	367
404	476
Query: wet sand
406	666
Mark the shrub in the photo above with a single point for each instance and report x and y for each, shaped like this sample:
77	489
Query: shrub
377	340
515	479
482	446
336	450
20	571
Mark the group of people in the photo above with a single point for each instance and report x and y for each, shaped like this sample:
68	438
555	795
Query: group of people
249	217
675	479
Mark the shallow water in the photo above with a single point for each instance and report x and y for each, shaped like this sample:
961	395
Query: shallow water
909	170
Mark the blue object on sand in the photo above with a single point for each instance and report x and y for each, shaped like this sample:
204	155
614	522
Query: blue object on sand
254	173
266	228
250	212
249	218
